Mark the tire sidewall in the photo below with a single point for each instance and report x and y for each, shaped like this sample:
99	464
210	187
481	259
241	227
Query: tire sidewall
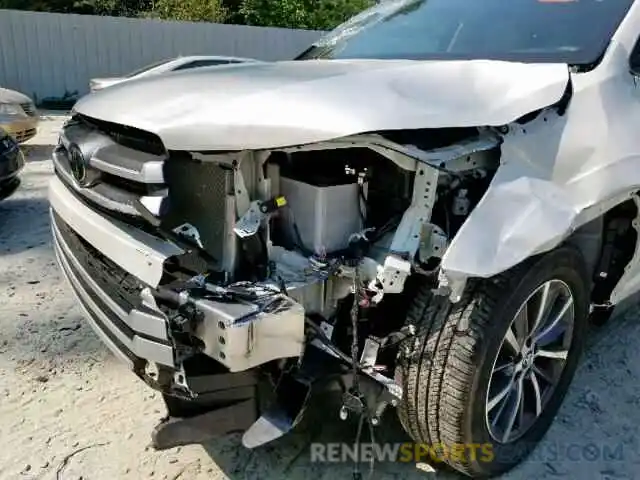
564	264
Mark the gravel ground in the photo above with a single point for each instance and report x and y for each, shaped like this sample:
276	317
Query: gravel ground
68	410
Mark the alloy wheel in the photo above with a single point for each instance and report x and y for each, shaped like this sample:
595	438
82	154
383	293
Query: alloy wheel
530	361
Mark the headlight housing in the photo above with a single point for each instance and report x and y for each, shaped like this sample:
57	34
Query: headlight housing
11	109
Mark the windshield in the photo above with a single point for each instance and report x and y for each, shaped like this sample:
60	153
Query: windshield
576	32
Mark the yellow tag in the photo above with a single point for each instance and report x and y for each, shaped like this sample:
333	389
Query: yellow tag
281	201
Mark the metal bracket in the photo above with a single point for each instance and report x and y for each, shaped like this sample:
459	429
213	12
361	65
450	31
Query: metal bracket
387	383
243	199
257	214
249	224
406	241
395	272
433	242
190	231
453	288
407	237
369	355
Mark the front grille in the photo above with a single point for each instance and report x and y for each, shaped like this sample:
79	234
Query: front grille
29	109
119	174
124	176
132	186
24	135
126	136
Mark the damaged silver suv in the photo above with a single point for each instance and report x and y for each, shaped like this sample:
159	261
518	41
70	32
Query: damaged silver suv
422	211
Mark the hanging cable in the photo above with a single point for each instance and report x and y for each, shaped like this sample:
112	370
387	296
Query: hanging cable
364	413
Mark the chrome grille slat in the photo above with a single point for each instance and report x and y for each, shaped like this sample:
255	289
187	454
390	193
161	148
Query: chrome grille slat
106	196
120	175
29	109
108	156
139	346
24	135
115	160
153	326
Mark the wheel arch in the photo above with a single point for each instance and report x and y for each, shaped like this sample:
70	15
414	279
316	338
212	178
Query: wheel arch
610	245
540	219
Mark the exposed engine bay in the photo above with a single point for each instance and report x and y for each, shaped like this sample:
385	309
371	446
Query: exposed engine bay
428	232
309	255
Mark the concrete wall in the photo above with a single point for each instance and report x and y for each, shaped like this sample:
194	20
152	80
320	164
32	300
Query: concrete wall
48	54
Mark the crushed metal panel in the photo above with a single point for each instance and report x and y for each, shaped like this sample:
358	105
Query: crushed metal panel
280	104
559	171
243	335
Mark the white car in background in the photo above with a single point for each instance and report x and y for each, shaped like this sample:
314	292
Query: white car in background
166	66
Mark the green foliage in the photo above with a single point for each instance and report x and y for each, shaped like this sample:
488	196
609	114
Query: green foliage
128	8
64	6
117	8
189	10
309	14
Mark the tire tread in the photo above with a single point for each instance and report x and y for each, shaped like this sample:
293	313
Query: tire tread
454	350
438	375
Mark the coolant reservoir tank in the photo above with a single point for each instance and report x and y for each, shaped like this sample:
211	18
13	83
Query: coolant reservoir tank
325	216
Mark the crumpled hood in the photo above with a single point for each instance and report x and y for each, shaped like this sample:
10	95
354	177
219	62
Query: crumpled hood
11	96
269	105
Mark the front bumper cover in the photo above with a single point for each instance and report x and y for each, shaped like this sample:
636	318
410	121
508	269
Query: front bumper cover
201	404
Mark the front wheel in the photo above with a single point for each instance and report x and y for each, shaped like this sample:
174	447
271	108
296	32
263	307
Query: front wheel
484	380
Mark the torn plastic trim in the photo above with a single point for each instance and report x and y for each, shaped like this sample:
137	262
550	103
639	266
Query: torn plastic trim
540	216
140	254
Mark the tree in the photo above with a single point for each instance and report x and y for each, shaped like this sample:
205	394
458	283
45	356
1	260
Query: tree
130	8
64	6
116	8
309	14
189	10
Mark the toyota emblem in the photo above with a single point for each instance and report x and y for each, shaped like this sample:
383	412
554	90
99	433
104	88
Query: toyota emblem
77	164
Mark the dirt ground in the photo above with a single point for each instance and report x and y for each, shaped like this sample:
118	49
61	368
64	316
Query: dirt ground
68	410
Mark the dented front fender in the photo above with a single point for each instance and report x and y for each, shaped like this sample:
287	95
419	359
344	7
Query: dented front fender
517	218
